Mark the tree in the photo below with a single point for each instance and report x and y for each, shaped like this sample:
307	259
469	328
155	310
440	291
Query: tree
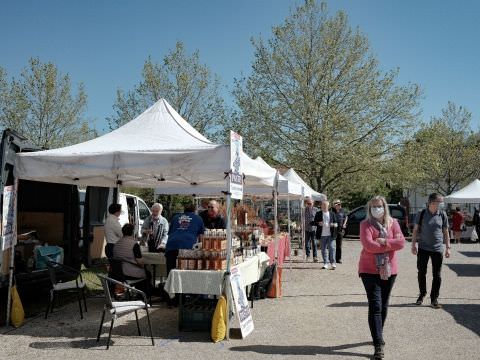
444	153
187	85
317	100
40	105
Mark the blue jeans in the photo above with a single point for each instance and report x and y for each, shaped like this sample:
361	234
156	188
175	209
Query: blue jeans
378	294
328	241
310	238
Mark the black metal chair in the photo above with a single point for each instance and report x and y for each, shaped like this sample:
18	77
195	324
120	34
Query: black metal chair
65	279
118	308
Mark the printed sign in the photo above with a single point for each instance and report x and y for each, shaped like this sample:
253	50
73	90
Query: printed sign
236	175
8	217
241	303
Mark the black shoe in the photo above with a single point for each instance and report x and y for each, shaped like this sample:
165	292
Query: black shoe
339	261
379	354
419	300
434	304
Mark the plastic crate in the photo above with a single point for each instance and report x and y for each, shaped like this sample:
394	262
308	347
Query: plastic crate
196	314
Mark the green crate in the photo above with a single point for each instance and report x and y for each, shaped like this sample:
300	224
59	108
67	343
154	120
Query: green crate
196	314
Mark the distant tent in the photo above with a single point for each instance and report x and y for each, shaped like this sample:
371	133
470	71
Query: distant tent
468	194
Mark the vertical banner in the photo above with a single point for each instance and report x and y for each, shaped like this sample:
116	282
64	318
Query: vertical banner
241	303
236	175
8	218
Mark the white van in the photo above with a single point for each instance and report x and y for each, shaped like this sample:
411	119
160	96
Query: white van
94	203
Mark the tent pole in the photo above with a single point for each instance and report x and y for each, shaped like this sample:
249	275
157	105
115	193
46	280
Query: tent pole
289	232
12	253
275	230
227	287
302	216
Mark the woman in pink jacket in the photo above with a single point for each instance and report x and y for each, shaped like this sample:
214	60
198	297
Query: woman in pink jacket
381	237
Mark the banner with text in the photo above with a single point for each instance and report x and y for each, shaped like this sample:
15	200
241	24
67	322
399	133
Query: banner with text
241	303
236	175
8	217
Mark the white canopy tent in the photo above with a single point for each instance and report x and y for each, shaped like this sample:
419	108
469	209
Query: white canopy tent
292	176
158	148
468	194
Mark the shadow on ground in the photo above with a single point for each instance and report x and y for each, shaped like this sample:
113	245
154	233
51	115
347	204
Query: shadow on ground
468	270
304	350
470	253
467	315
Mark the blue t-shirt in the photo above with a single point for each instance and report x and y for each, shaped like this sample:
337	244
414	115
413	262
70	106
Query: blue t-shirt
184	231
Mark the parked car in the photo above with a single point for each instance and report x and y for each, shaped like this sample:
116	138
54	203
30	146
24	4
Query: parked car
356	216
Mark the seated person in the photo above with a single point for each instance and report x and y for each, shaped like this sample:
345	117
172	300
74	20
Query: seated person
127	250
211	217
183	234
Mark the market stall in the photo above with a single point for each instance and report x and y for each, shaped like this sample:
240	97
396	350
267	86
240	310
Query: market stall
156	149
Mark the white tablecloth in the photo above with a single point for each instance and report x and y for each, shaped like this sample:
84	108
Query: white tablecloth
210	282
157	259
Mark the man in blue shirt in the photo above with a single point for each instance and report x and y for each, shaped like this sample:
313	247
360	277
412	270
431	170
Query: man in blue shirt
183	234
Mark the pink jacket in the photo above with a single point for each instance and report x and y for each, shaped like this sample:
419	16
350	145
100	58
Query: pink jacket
368	234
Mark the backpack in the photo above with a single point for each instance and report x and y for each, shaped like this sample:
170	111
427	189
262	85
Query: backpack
422	214
260	288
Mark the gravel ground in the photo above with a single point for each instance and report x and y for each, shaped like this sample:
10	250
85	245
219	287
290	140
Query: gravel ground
322	314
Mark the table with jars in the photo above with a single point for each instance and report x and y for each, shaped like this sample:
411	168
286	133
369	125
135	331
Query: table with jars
201	270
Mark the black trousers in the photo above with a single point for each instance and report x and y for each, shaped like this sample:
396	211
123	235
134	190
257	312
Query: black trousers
422	262
378	294
109	250
171	257
338	243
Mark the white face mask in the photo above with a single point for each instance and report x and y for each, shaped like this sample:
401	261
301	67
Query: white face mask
441	205
377	212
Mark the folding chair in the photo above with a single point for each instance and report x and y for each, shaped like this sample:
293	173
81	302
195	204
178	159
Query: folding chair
118	308
58	272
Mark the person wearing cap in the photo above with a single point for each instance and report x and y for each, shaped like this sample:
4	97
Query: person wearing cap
342	223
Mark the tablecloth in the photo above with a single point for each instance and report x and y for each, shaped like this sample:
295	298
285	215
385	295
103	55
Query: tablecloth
283	249
210	282
157	259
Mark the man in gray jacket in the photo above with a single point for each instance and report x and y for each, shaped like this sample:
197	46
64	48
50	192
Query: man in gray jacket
155	229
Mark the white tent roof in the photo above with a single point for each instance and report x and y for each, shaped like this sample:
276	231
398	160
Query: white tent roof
468	194
157	148
292	176
285	187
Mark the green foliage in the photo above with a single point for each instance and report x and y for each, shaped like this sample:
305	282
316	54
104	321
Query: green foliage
185	83
317	100
444	153
40	105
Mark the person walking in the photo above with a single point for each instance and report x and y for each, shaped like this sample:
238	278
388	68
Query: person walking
381	237
310	241
327	226
431	233
476	222
342	222
457	223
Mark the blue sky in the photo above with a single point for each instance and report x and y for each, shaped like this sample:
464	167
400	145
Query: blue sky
104	43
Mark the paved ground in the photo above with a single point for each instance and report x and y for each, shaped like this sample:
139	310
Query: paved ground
322	314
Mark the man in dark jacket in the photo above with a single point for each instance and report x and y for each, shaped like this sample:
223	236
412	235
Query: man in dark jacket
341	219
327	226
211	217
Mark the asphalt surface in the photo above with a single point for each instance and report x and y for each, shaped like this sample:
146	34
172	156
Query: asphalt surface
323	314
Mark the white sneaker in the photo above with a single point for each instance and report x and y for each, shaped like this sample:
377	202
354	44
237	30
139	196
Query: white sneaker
334	266
325	266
